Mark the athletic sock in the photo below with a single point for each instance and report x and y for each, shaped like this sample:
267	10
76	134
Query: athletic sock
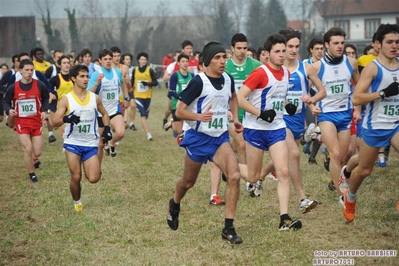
228	223
50	133
346	173
77	202
351	196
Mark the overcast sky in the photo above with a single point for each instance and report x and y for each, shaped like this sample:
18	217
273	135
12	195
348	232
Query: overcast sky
27	7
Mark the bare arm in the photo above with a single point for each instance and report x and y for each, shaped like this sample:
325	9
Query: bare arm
103	112
59	114
183	114
312	72
360	96
244	104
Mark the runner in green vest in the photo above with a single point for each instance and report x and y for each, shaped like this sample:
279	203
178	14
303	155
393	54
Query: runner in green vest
178	82
239	66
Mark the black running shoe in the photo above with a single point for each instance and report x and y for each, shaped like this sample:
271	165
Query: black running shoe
173	217
312	161
36	163
34	179
290	224
231	236
331	186
52	139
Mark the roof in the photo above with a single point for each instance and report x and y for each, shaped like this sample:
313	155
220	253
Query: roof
356	7
297	24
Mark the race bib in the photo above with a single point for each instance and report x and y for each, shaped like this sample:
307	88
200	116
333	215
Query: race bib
27	107
141	87
238	84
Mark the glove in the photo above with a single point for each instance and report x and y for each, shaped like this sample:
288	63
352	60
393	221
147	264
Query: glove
107	135
392	89
145	83
71	118
268	115
290	108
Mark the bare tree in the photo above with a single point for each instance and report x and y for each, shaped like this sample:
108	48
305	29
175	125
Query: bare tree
54	41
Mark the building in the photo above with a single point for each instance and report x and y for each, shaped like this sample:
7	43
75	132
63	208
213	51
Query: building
358	18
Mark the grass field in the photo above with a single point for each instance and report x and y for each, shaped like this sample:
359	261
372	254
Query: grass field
124	215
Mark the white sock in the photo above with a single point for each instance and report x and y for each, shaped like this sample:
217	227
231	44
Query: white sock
212	196
77	202
50	133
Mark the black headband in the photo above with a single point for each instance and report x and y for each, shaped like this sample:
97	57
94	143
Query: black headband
209	52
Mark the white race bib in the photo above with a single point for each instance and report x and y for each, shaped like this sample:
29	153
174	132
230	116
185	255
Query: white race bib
27	107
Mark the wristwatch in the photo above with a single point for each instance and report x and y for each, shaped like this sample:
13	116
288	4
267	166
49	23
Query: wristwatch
127	98
382	94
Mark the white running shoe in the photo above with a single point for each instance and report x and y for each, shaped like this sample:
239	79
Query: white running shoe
343	182
307	204
258	188
149	137
272	176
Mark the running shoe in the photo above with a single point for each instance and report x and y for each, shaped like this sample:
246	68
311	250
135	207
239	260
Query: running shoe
231	236
34	179
78	207
306	149
343	182
36	162
349	208
132	127
149	137
312	160
173	217
306	205
168	125
107	150
51	139
381	160
215	200
307	135
258	188
272	176
113	152
331	186
290	224
326	161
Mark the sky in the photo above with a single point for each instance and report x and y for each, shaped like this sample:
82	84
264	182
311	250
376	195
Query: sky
27	7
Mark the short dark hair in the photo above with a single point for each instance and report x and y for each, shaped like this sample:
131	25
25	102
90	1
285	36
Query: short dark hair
85	51
350	46
57	51
25	62
62	57
129	55
196	52
104	52
21	55
367	48
186	43
259	51
37	49
273	39
334	31
290	33
238	37
115	49
385	29
14	57
313	42
253	51
182	56
74	72
142	54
